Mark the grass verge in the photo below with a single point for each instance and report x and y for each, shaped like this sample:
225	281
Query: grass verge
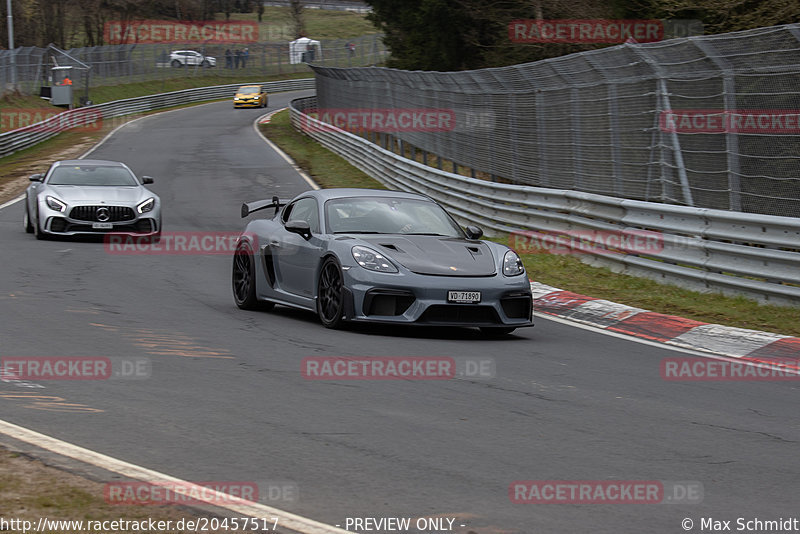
30	490
325	167
565	272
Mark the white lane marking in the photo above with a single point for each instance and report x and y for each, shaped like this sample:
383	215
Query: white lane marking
729	340
285	519
12	201
281	153
703	353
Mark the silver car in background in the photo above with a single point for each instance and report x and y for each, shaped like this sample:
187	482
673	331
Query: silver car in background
190	58
90	197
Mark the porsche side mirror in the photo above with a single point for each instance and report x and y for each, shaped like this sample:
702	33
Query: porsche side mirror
299	227
473	232
36	177
147	180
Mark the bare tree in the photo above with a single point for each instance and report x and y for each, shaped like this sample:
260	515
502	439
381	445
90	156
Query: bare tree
296	12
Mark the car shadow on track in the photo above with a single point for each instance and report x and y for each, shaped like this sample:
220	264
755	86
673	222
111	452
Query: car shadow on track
459	333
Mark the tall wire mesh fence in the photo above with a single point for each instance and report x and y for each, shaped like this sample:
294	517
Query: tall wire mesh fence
595	121
26	69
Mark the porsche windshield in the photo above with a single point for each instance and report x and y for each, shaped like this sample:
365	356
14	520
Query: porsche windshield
378	215
92	175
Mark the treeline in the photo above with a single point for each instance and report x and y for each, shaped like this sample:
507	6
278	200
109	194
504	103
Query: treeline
75	23
447	35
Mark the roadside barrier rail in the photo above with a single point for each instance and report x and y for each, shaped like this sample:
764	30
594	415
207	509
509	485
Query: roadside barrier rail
86	117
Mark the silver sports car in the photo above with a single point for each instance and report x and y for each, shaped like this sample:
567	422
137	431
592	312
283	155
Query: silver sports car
90	197
378	256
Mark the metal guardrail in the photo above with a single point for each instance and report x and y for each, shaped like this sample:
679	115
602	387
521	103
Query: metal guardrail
735	253
86	117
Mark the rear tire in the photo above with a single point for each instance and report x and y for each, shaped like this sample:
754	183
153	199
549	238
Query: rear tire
330	294
176	64
244	280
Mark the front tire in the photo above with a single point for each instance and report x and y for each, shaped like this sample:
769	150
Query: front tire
330	294
244	280
27	220
37	230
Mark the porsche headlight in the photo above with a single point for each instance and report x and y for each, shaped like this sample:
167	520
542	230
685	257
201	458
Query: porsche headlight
146	206
512	265
54	204
372	260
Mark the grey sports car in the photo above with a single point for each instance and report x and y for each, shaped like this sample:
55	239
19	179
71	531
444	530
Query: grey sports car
376	256
90	197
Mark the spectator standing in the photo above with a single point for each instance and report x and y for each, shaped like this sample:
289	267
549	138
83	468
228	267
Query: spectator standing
228	59
245	55
238	56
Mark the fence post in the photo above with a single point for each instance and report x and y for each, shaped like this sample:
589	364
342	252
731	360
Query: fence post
664	100
731	138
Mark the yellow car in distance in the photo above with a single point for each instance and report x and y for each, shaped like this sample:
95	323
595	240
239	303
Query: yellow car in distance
252	96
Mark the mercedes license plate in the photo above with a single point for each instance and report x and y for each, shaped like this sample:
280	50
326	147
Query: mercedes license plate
102	226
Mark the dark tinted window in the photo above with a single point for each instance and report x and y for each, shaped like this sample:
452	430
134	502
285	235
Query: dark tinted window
93	175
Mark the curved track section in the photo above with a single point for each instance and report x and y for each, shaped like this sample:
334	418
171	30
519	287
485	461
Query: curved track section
226	399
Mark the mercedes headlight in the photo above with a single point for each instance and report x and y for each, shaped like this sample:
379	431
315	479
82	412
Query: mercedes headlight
54	204
146	206
512	265
372	260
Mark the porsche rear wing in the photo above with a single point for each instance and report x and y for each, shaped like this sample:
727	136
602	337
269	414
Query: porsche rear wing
250	207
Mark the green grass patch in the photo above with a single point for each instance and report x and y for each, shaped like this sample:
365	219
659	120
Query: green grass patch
325	167
276	23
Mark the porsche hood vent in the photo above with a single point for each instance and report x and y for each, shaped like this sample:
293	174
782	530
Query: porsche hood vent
437	256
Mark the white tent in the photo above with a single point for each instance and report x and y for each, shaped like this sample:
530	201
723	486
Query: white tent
304	50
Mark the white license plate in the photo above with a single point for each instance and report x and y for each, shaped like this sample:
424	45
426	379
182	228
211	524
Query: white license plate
463	296
102	226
